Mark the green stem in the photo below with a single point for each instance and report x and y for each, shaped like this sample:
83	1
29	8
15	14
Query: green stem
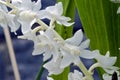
85	71
38	77
93	67
46	27
42	23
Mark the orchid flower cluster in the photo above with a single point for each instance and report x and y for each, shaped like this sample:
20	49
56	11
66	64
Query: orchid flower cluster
58	53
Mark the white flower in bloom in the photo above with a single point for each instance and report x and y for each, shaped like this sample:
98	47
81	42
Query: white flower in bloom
77	40
26	19
30	36
55	12
106	62
46	45
27	12
53	67
74	48
75	76
27	4
7	20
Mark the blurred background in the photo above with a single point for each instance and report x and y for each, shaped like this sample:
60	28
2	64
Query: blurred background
28	65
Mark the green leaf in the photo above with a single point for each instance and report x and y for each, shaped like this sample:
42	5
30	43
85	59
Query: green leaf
65	32
101	24
41	70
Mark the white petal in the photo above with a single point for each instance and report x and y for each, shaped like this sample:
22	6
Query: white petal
76	39
111	70
37	50
65	23
118	11
62	20
25	27
47	56
37	6
55	10
42	14
87	54
106	77
66	61
85	44
106	61
53	67
59	6
50	33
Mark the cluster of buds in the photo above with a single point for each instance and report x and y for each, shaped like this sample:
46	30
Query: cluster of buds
58	52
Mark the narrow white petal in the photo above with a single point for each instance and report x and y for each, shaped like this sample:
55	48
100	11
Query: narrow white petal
67	24
66	61
59	6
87	54
37	6
106	61
118	11
25	27
53	67
85	44
76	39
106	77
47	56
37	50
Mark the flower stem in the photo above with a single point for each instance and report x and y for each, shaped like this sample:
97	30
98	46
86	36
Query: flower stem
46	27
42	23
85	71
11	54
93	67
38	77
52	23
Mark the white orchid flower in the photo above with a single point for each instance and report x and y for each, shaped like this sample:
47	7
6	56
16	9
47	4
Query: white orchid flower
74	48
53	67
27	4
46	45
7	19
106	62
27	12
55	13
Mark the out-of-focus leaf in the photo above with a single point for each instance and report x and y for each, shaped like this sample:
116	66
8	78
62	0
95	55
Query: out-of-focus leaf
101	24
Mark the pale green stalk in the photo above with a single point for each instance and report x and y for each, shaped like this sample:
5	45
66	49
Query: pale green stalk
93	67
87	74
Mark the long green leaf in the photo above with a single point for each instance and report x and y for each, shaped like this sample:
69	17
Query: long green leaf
101	24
